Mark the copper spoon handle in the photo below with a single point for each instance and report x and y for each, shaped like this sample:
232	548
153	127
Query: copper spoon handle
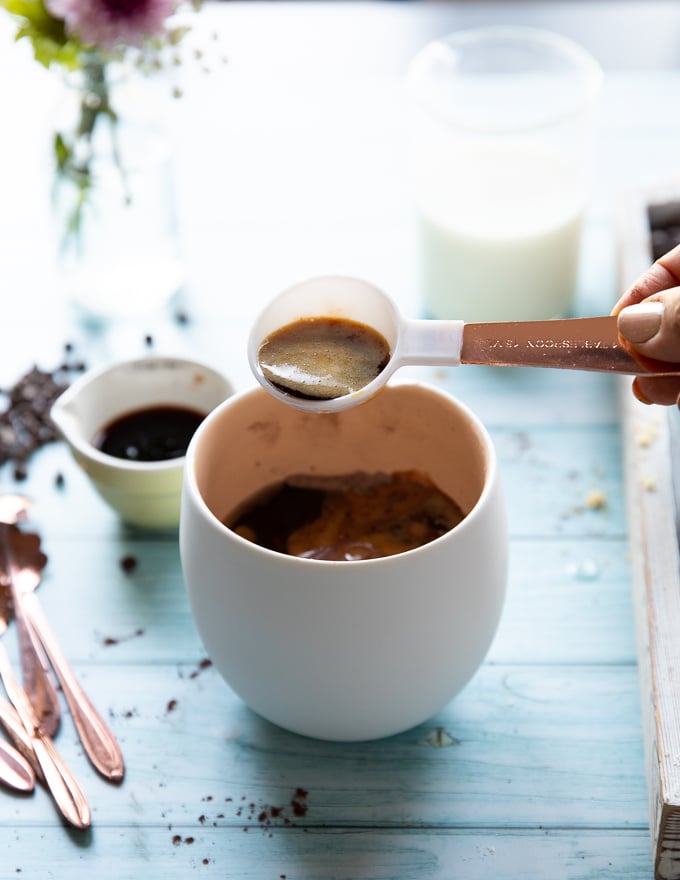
36	680
15	771
61	783
590	344
11	723
98	741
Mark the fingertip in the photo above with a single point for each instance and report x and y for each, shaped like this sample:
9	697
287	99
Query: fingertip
640	322
641	396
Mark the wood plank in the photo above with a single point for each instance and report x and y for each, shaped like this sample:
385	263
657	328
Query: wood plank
567	602
520	747
326	854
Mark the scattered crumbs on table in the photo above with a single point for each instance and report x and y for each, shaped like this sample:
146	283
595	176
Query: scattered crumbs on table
129	563
172	705
107	641
299	802
189	840
202	819
646	433
176	839
203	664
596	500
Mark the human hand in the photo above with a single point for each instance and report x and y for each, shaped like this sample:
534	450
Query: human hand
649	327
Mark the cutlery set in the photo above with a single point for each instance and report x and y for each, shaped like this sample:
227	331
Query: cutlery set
30	716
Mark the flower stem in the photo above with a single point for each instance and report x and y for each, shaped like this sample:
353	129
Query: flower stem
74	152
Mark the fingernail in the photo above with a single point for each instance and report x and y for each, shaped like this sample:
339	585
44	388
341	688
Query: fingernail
641	396
640	322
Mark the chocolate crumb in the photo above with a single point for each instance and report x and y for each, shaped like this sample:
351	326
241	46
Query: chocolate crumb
262	816
202	819
206	663
172	705
112	640
206	861
128	563
20	471
148	340
59	480
298	803
189	840
176	840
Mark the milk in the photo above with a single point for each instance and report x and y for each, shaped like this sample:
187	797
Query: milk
499	231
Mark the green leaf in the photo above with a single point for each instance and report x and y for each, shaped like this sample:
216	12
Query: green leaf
51	44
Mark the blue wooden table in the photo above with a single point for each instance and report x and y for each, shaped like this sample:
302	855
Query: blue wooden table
290	162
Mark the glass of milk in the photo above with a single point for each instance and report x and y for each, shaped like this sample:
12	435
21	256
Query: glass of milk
501	149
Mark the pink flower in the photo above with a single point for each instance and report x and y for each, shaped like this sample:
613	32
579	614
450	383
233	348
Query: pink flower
111	23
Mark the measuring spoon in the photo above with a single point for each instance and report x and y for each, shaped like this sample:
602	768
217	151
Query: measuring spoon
590	344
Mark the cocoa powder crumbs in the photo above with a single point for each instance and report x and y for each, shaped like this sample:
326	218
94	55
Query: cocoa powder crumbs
107	641
129	563
299	802
206	663
25	424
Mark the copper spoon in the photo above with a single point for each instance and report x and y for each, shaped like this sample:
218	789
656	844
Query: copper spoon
15	771
62	784
34	665
98	741
14	508
590	344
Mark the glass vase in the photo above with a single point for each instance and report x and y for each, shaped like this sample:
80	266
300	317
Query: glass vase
117	243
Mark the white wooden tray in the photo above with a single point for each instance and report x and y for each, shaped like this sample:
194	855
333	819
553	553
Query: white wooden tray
651	442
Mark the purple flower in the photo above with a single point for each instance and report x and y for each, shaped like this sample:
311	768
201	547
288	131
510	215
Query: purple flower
111	23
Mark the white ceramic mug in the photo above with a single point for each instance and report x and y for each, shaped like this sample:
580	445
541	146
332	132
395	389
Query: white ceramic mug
145	494
344	650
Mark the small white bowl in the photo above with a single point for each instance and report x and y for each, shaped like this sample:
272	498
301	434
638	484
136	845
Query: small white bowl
144	494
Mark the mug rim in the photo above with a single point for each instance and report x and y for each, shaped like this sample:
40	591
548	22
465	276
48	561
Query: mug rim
490	478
